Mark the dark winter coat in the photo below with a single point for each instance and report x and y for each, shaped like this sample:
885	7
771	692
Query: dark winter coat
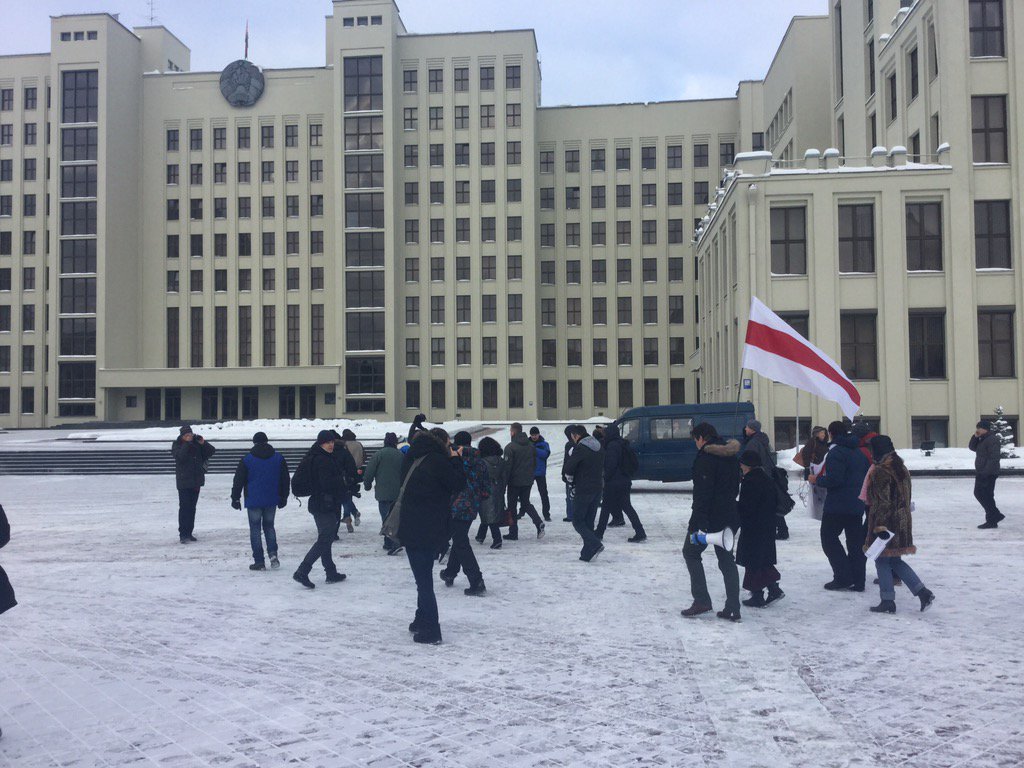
384	469
543	452
614	455
190	462
469	502
759	443
493	510
569	445
756	509
328	480
716	480
416	427
263	474
987	450
347	467
889	506
843	476
521	456
584	469
426	503
7	600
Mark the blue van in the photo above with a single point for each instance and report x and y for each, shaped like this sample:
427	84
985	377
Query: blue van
660	435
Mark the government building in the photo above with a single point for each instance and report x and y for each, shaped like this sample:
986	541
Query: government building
405	228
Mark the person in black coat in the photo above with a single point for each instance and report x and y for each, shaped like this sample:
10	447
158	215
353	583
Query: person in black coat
584	471
436	476
329	487
756	550
716	479
417	426
568	486
191	454
7	600
617	487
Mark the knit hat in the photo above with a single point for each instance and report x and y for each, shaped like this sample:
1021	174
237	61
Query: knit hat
881	445
348	434
750	459
986	425
325	436
186	429
390	440
260	437
755	425
490	447
463	438
534	431
861	429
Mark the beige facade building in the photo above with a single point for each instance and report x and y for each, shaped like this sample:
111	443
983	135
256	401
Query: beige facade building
405	228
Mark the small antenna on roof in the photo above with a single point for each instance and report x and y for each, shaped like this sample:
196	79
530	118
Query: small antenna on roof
152	11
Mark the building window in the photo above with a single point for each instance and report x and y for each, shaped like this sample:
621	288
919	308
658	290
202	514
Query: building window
622	159
624	310
700	155
598	233
929	430
726	154
364	83
650	310
412	155
986	21
513	77
648	158
789	241
461	80
623	196
891	96
269	337
924	237
988	128
649	195
486	115
574	311
927	345
410	81
547	161
80	97
549	394
513	115
857	238
572	198
515	393
625	393
649	232
572	161
992	234
913	74
486	78
859	345
435	80
597	159
700	192
996	343
623	232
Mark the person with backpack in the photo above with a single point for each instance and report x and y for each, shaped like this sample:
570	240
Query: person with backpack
756	550
492	513
385	469
191	456
319	476
263	474
521	456
432	472
540	474
466	505
620	464
7	599
584	471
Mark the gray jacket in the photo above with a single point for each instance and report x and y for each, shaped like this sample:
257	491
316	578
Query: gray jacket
987	449
521	455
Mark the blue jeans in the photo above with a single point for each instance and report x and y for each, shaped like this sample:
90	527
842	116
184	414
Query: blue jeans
421	561
385	507
262	517
349	507
888	567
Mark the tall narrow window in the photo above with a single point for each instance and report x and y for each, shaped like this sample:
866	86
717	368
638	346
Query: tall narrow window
988	128
859	345
789	241
924	237
196	333
172	337
927	345
857	238
992	234
986	23
996	343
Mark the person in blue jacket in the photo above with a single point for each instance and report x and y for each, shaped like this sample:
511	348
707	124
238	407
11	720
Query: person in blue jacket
843	476
540	474
263	474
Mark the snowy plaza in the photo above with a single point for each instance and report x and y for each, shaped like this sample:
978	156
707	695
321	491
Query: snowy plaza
128	648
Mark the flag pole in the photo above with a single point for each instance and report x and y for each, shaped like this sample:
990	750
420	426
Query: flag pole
797	417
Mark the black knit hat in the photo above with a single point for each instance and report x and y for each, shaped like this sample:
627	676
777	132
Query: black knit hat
260	437
185	430
463	438
325	436
983	424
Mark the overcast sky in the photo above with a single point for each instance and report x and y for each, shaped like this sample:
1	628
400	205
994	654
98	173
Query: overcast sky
592	51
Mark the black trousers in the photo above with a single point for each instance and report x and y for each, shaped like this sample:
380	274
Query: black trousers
542	489
847	565
614	504
187	500
461	556
521	494
421	561
481	532
327	523
985	493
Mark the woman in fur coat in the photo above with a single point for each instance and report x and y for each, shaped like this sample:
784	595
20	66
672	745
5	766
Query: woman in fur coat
889	509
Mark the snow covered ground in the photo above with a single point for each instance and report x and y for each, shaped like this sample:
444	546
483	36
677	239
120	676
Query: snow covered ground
129	648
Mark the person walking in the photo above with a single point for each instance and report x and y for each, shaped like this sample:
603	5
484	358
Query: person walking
191	455
756	549
889	511
617	486
584	471
492	513
349	472
328	488
466	506
568	486
754	439
7	599
521	456
385	469
540	474
432	473
358	453
716	480
843	512
263	475
986	446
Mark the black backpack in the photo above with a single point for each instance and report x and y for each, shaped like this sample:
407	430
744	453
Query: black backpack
786	502
630	461
302	480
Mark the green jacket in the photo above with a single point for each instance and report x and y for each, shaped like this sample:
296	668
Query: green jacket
386	468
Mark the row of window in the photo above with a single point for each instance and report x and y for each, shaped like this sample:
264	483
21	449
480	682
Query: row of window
435	115
29	135
28	169
573	270
268	244
548	310
243	137
648	158
30	98
243	173
435	79
268	278
623	195
268	207
28	278
28	317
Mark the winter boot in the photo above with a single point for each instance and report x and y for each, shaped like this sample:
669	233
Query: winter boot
257	567
927	597
733	616
303	579
756	600
414	626
637	538
697	609
475	590
886	606
540	531
428	636
274	562
837	586
774	593
447	578
334	578
496	545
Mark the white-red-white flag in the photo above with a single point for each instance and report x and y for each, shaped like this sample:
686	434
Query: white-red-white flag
779	353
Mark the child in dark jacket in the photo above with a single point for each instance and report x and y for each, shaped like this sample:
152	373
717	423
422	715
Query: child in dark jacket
756	550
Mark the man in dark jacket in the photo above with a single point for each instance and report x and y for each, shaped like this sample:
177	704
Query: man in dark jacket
263	474
417	426
436	476
569	443
540	473
467	505
716	481
754	439
350	472
191	454
521	456
329	486
986	446
617	486
843	476
584	471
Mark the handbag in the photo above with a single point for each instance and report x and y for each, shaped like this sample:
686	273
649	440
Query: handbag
389	529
